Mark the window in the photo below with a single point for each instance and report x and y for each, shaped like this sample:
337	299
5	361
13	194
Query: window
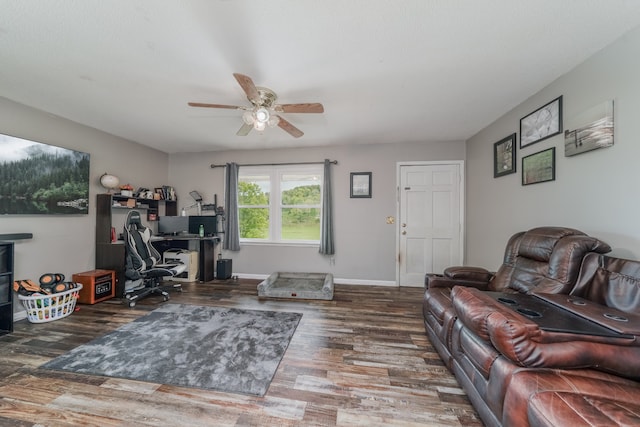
280	203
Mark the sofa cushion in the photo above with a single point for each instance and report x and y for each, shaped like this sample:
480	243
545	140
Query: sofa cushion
613	282
555	271
527	384
525	343
522	341
478	274
554	408
473	307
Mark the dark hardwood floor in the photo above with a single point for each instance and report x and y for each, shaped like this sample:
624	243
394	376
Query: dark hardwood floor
361	359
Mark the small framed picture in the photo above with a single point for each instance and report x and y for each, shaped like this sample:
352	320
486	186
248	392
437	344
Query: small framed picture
543	123
158	193
539	167
360	185
590	130
504	156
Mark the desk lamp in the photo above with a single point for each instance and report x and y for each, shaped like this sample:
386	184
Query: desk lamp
198	198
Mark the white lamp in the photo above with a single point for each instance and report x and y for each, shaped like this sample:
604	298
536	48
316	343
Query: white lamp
198	204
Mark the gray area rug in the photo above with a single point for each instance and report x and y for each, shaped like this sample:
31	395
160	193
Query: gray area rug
214	348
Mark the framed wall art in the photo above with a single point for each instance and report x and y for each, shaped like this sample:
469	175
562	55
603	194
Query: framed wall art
541	124
504	156
539	167
590	130
360	185
42	179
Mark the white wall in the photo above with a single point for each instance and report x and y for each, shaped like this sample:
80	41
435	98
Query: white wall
66	243
596	192
365	244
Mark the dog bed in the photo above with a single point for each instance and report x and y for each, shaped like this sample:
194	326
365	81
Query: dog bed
297	285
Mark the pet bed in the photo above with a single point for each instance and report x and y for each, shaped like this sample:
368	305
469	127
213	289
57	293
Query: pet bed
297	285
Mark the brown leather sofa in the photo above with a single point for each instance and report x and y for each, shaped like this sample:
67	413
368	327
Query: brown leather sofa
519	373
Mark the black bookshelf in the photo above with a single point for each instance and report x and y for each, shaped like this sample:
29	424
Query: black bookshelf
6	282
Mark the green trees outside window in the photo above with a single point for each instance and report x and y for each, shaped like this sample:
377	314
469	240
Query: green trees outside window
291	212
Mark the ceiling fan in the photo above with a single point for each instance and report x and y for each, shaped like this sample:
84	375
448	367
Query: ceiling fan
264	110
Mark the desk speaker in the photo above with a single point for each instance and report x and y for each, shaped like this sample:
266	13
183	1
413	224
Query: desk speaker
223	269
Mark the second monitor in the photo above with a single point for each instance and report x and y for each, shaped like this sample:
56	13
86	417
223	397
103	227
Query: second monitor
209	222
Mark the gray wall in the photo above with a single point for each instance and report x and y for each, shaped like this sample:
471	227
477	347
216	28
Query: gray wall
595	192
66	243
365	244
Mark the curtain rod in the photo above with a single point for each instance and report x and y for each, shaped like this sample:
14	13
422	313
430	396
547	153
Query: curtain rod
335	162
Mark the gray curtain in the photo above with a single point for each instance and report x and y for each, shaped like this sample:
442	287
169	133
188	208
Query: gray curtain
326	227
231	227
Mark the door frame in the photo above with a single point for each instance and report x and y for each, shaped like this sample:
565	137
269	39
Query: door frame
460	164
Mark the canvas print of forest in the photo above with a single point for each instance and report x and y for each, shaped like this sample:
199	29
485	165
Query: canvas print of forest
38	178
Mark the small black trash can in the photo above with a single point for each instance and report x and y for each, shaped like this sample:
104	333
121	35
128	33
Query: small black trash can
223	269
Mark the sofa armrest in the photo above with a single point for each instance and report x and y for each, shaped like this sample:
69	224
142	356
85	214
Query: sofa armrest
475	277
523	342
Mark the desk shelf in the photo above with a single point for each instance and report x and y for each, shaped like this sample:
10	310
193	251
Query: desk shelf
111	256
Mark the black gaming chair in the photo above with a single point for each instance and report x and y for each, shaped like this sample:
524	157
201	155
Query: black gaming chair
144	271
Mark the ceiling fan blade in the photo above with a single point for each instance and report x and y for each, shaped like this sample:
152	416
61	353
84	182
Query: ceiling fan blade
244	130
288	127
249	88
230	107
315	107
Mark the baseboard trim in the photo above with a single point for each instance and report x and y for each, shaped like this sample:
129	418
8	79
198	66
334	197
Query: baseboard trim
337	281
19	315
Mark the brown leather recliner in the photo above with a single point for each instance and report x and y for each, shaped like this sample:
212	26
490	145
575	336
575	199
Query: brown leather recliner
544	259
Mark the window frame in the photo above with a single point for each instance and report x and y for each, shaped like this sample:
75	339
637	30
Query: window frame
275	206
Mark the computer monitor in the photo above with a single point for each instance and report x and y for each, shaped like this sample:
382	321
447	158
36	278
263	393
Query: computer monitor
210	223
173	225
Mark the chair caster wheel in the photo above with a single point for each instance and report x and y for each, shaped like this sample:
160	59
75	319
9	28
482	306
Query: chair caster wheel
165	298
132	304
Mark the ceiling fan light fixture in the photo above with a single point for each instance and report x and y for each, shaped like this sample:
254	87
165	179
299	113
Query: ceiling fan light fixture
247	117
273	121
262	115
264	109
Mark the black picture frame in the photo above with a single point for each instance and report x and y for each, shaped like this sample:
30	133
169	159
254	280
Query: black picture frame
539	167
504	156
360	185
542	123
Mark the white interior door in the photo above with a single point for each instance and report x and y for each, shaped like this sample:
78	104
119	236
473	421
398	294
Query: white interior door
430	220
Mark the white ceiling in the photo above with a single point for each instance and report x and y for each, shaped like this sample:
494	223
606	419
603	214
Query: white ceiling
385	70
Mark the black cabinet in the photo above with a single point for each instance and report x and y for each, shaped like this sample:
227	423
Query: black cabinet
111	256
6	282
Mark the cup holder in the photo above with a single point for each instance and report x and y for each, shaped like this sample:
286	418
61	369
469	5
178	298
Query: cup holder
507	301
615	317
576	302
528	313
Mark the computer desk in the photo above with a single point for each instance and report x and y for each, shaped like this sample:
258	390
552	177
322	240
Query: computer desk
206	250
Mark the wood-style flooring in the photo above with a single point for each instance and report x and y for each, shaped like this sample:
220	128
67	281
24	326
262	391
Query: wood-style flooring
362	359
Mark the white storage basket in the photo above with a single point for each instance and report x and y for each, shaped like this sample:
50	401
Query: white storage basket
46	308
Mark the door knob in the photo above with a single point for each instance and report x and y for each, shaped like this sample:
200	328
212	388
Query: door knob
404	232
404	224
